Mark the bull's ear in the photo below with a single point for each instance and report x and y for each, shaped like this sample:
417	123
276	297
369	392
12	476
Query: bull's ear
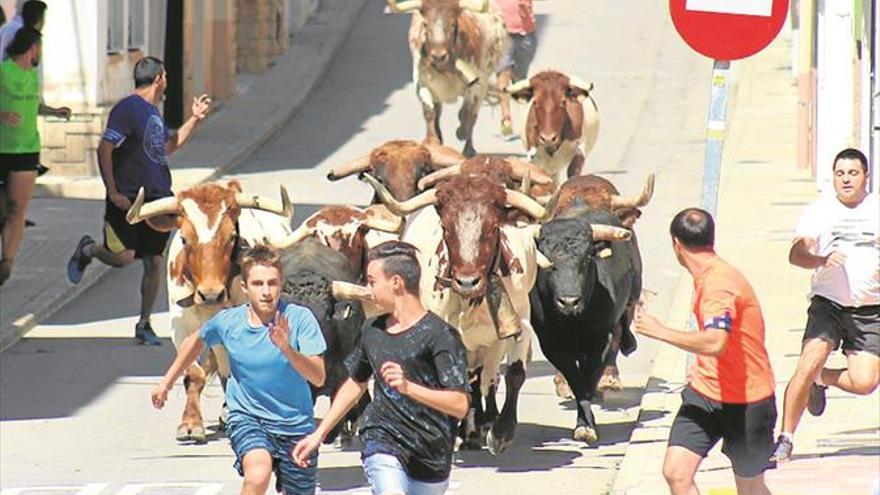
575	122
628	217
522	95
578	93
234	185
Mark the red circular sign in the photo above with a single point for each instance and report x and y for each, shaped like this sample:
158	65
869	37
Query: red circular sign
728	29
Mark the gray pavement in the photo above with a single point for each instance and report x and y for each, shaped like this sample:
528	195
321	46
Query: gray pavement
77	382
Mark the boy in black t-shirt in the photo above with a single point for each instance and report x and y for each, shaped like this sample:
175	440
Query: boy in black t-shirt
420	369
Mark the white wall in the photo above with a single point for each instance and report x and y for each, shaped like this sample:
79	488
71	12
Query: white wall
70	54
835	86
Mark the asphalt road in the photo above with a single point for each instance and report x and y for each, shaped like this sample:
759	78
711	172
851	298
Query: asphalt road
75	410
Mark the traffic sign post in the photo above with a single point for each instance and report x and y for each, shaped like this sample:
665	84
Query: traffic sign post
723	30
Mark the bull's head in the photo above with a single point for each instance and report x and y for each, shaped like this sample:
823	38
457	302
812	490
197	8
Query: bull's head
344	229
399	165
471	209
442	19
206	218
577	250
557	113
597	193
510	172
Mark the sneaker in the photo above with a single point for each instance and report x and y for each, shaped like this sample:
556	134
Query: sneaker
506	127
782	452
816	404
76	267
144	334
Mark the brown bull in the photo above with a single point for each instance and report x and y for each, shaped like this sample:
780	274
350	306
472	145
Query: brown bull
456	46
562	123
399	165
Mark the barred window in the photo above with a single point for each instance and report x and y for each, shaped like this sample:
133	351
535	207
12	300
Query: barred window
137	18
115	26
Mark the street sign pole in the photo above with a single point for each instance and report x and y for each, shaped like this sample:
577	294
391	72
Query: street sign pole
716	131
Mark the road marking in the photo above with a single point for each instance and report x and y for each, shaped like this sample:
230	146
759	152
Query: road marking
203	488
762	8
89	489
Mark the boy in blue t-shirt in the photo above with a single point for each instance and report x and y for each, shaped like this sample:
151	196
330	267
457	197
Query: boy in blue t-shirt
274	351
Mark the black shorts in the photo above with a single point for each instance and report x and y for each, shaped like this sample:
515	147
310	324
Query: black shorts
747	430
119	235
18	162
857	328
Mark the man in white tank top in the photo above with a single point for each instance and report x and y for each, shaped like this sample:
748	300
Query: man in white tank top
837	237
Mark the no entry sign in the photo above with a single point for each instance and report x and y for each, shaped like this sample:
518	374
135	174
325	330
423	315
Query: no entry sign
728	29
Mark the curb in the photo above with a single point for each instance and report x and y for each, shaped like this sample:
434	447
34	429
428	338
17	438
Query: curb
307	60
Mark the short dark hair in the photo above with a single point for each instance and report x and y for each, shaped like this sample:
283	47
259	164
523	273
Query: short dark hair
32	12
693	227
146	70
851	154
260	255
25	38
401	259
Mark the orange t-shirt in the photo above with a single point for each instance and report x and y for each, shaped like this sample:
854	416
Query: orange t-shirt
519	17
741	374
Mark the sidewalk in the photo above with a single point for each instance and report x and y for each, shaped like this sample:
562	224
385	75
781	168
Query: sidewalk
39	284
762	195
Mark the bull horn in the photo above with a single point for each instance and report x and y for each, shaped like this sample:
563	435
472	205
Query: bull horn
620	202
526	184
609	233
400	208
379	218
362	164
473	5
301	232
349	291
517	86
580	84
444	156
542	261
440	175
525	204
538	175
404	7
283	208
140	211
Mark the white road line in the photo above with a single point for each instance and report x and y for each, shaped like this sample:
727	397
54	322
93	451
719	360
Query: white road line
202	488
89	489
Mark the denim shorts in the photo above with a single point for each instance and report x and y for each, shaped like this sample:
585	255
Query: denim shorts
386	475
247	433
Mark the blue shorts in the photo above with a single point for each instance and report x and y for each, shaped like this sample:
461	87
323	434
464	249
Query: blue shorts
386	475
247	433
518	57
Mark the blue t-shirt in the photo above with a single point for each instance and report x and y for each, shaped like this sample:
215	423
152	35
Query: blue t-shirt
262	382
135	127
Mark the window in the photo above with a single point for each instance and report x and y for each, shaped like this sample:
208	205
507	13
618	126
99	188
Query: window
115	26
136	20
126	25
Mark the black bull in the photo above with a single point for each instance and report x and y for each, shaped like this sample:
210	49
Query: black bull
309	269
577	302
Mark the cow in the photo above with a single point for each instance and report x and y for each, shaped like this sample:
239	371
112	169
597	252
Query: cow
213	223
595	192
562	123
399	165
586	297
477	272
310	268
456	46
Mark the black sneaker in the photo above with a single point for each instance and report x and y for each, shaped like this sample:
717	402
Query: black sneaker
144	334
816	404
782	452
77	264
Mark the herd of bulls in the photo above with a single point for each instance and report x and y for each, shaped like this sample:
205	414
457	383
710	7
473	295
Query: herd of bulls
507	248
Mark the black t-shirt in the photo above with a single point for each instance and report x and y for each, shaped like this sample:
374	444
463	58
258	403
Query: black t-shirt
431	354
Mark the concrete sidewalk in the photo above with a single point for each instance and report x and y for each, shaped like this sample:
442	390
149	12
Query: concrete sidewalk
39	284
762	195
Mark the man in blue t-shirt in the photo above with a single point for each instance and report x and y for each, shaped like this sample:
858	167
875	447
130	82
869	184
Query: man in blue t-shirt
132	155
274	351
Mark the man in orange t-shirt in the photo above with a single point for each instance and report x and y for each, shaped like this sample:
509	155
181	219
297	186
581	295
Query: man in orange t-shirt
730	394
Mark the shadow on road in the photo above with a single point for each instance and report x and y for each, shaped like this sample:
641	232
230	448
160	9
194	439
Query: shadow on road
53	378
532	450
341	478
